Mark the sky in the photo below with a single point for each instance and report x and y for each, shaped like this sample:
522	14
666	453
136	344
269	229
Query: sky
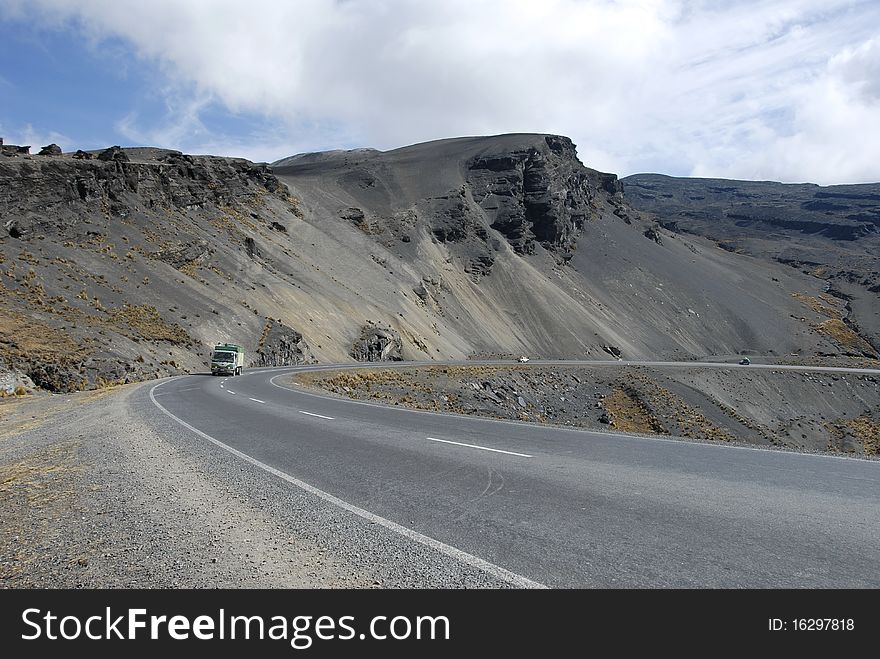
784	90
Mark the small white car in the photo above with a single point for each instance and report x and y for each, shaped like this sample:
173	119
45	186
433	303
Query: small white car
745	361
523	359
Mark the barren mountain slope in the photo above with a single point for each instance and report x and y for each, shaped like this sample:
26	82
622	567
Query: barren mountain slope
832	233
129	264
520	273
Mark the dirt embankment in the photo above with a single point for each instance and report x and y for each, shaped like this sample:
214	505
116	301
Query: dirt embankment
806	411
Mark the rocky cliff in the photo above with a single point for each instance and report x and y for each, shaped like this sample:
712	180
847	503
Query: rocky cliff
540	193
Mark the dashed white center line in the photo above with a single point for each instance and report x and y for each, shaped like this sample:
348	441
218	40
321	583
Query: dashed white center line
454	553
257	400
482	448
320	416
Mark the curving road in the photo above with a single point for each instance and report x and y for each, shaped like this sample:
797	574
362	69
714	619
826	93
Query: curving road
538	506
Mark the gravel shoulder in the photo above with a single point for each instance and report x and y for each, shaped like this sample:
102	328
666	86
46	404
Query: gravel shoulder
99	490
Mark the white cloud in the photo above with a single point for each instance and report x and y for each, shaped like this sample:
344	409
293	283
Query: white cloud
831	135
860	69
780	89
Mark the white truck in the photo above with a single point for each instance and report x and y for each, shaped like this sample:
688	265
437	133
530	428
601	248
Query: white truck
227	359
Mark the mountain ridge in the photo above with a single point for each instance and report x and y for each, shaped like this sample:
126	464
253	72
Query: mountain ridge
127	264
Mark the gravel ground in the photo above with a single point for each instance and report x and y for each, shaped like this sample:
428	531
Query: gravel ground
99	490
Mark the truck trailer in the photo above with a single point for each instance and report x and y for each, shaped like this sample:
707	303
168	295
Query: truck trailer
227	359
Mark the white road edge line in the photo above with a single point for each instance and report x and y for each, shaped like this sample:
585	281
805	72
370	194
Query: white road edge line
468	559
320	416
482	448
257	400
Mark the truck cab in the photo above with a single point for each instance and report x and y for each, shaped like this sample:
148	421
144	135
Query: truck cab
227	359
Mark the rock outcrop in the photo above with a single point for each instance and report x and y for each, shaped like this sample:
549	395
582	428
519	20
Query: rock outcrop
282	346
14	150
651	233
50	150
537	194
116	153
115	182
13	382
378	344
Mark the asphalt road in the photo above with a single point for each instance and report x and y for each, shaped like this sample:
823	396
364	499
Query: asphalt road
538	506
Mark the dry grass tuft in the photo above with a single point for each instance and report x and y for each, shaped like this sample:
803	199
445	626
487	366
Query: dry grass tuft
33	478
33	492
34	338
867	431
825	307
841	332
148	323
630	414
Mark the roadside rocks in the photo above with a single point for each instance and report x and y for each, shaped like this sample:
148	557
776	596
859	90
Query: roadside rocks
378	344
12	382
282	346
65	376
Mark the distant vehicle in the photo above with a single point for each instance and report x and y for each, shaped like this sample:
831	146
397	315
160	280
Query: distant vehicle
745	361
523	359
227	359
